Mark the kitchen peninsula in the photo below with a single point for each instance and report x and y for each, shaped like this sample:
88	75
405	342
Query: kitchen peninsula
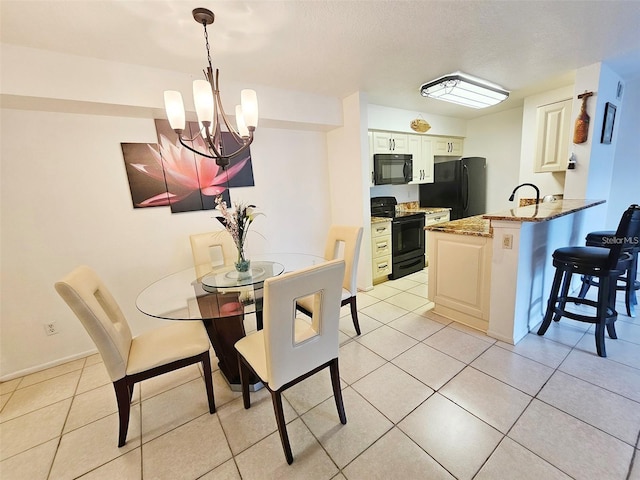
493	272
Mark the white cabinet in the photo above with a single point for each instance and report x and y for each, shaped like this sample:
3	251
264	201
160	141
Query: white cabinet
432	219
388	142
421	149
552	136
447	146
381	250
460	277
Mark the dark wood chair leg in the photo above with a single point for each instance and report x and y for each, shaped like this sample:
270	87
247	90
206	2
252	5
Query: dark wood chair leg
604	299
354	314
208	381
553	295
586	283
337	392
123	397
282	425
562	302
630	292
244	382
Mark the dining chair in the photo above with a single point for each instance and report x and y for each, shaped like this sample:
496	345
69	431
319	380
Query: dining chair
212	249
289	349
129	359
343	241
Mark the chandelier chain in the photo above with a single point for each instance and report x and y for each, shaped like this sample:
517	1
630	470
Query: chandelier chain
206	40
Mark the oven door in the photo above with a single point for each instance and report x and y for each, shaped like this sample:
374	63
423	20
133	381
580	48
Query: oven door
407	238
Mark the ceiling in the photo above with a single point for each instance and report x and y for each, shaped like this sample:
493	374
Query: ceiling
386	49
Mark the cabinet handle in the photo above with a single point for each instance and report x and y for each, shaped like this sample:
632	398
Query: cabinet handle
381	245
394	143
390	147
381	229
382	266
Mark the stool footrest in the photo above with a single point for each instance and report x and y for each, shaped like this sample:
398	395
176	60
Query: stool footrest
611	317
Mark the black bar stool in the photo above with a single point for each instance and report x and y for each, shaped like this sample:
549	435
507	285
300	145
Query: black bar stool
628	282
606	264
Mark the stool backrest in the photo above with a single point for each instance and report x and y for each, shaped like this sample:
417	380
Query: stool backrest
627	235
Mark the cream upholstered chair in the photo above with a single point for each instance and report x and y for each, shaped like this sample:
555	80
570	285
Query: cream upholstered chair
212	249
129	359
290	349
343	242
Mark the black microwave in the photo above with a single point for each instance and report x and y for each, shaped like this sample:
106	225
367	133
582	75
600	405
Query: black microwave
392	168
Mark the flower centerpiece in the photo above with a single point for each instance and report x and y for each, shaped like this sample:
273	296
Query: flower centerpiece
237	222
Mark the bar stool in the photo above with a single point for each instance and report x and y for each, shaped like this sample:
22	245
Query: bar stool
606	264
628	281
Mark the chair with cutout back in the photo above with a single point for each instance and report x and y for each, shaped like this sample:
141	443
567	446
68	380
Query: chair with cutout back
129	359
289	349
343	241
212	249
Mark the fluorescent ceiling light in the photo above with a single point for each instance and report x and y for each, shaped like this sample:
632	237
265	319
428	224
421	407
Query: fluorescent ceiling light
464	90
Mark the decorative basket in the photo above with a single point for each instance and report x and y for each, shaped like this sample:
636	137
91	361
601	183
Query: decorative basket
419	125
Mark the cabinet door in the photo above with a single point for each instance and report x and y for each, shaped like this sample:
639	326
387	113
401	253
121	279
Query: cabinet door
382	142
447	146
552	136
426	152
400	143
414	147
456	146
387	142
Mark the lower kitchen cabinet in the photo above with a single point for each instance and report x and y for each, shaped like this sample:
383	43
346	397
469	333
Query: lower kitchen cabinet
460	277
381	250
432	219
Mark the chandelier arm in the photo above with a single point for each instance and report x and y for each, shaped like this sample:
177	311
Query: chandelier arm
188	147
212	141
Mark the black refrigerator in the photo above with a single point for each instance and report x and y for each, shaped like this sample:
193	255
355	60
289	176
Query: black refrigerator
458	183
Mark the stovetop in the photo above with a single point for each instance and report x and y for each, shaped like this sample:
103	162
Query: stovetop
386	207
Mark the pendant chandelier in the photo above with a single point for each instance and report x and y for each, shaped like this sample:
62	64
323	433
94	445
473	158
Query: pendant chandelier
211	114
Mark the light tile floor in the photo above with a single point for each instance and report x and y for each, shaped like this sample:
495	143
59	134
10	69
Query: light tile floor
425	399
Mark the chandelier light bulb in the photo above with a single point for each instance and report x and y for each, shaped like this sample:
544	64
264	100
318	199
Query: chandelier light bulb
175	109
203	100
240	123
249	102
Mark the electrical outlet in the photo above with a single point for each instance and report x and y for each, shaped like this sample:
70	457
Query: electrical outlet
51	328
507	241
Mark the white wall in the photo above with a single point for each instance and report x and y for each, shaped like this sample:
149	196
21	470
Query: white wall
626	167
66	201
497	137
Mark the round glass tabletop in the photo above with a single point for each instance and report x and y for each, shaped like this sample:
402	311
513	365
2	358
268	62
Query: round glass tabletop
229	277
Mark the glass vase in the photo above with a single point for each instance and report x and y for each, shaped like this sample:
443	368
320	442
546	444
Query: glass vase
243	265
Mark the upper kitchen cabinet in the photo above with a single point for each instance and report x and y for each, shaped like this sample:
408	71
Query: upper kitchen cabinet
552	136
447	146
421	148
387	142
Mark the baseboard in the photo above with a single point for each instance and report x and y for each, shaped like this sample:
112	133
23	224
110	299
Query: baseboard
44	366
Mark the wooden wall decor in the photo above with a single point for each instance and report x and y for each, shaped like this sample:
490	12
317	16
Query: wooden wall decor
581	130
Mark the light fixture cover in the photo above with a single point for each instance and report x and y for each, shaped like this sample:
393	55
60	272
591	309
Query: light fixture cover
464	90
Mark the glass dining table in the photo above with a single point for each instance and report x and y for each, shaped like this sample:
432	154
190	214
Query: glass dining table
220	299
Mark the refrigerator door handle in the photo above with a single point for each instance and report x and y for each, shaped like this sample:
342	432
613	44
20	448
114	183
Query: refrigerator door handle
465	191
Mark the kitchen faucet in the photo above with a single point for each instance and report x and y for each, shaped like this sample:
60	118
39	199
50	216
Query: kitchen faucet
522	185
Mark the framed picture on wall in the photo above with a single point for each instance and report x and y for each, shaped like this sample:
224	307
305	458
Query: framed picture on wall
607	123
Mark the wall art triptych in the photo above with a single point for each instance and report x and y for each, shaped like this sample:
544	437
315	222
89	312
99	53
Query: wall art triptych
168	174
